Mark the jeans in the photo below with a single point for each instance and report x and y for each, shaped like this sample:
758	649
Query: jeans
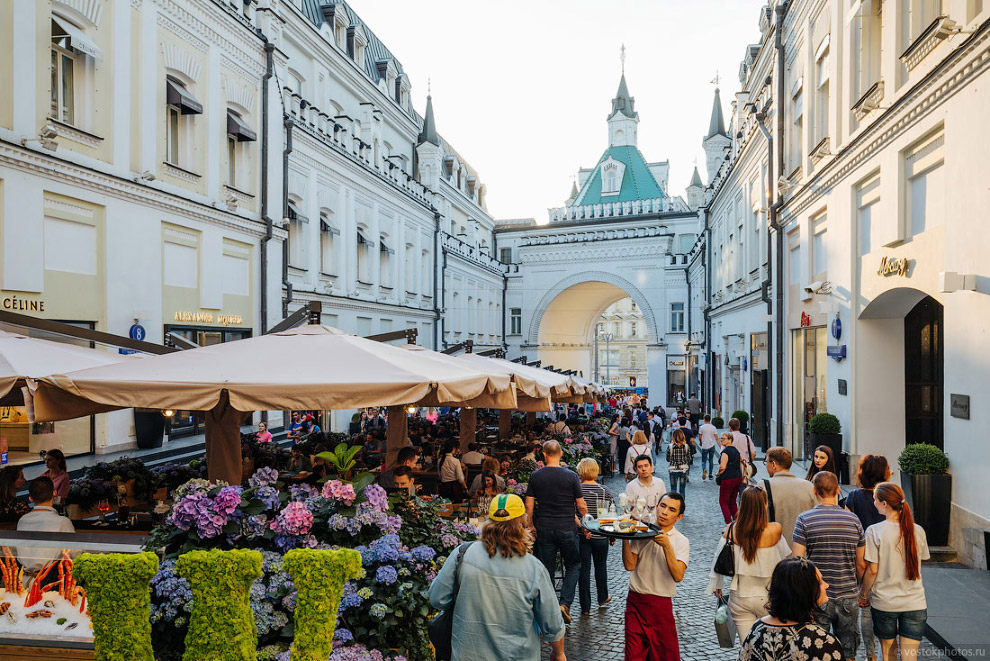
548	543
708	455
842	617
677	481
593	550
727	492
906	624
866	629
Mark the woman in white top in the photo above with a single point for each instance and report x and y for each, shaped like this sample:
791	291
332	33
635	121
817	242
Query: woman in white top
640	445
758	546
892	583
452	484
613	440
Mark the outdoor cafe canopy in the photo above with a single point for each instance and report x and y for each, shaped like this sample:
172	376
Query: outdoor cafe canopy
310	367
24	358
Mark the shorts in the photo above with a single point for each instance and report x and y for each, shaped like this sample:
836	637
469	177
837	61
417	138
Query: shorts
906	624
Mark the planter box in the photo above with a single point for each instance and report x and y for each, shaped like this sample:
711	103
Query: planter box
149	429
832	441
930	498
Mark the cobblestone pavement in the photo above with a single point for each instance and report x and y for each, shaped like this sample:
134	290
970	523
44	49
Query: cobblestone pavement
599	636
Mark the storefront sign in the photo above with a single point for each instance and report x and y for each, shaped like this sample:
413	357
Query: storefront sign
890	266
837	327
210	318
959	406
15	304
838	352
805	320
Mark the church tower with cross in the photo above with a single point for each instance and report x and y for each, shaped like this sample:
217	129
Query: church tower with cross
716	141
623	119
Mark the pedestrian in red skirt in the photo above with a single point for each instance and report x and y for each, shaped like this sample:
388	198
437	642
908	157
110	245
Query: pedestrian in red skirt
657	566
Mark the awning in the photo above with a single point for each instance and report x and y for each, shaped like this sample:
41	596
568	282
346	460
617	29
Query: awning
363	240
296	214
385	248
327	227
237	127
179	96
78	39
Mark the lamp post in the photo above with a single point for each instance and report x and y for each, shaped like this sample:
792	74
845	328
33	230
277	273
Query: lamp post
608	337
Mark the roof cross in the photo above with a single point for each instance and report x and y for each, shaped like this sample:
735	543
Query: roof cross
622	57
715	79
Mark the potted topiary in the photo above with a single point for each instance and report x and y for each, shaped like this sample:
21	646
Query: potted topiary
927	489
743	419
824	429
718	422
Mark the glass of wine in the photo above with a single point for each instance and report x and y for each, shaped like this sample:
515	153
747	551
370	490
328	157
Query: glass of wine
103	507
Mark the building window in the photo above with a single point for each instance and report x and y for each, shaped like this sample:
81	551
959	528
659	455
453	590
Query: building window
822	68
676	317
297	237
923	168
868	32
427	265
179	104
232	161
515	321
63	69
918	15
363	258
172	135
237	132
794	257
410	271
385	253
328	245
819	249
632	329
867	198
632	358
797	125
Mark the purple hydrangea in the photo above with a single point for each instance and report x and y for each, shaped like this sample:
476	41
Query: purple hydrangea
377	496
342	636
263	477
423	553
386	575
227	500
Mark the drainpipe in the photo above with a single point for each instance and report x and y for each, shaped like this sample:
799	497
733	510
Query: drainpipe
505	286
265	80
707	231
287	298
437	317
778	291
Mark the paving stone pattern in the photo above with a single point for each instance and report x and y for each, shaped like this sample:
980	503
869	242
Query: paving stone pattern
600	635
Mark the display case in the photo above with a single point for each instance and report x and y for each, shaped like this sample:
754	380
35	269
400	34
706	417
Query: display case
47	618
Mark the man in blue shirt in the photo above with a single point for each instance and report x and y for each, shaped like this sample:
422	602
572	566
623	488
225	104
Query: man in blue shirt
554	493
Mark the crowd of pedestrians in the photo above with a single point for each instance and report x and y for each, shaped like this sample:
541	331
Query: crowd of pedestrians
813	574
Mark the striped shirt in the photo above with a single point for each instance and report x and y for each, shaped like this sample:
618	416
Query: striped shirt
596	496
832	535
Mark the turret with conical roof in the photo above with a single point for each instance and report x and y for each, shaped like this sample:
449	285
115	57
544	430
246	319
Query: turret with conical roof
623	119
429	156
695	190
573	195
716	141
429	131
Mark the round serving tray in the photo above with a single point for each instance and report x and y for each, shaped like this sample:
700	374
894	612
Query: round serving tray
608	531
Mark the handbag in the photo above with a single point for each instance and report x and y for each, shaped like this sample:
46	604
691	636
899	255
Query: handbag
725	627
441	627
770	507
725	563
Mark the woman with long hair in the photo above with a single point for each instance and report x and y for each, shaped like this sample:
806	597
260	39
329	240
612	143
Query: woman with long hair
489	465
452	484
892	586
789	632
822	460
488	490
11	507
613	441
55	461
679	461
640	445
729	477
873	469
758	546
622	445
505	601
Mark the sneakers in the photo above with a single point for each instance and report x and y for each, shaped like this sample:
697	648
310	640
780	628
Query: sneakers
704	475
566	613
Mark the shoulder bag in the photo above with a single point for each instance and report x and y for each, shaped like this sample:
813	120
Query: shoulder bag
441	627
725	563
773	512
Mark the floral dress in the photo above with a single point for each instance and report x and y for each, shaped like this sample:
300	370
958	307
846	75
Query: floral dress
806	642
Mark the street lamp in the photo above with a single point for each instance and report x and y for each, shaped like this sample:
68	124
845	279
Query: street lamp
608	337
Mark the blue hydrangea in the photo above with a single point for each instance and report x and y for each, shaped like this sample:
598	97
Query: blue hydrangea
423	553
386	575
342	636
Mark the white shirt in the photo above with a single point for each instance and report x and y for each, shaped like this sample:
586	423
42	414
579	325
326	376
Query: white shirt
708	434
892	591
652	493
560	427
472	457
41	519
450	470
652	576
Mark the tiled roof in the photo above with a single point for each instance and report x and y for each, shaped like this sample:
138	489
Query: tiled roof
373	52
638	182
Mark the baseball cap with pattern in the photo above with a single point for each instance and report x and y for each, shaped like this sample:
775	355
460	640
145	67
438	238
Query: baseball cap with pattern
505	507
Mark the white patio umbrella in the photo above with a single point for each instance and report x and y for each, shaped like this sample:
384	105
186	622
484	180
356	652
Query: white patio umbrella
311	367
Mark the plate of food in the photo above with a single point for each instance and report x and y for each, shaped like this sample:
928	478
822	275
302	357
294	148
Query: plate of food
622	528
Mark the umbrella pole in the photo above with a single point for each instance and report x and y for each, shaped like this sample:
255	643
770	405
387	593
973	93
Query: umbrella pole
223	442
395	434
469	427
504	424
531	419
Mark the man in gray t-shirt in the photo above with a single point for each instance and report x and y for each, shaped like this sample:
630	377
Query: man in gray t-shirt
788	494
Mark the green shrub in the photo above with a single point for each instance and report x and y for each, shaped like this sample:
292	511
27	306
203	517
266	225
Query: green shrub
824	423
118	592
923	459
741	416
319	577
718	422
221	626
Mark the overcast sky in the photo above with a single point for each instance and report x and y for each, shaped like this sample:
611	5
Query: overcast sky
522	89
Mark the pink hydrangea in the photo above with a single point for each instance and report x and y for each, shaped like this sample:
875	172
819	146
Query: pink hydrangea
337	490
295	519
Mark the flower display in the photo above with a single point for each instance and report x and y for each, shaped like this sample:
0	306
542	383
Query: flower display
295	519
263	477
377	496
339	491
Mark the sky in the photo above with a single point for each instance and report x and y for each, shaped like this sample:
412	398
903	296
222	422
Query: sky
522	90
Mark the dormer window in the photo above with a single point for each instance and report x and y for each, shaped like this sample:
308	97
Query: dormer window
611	174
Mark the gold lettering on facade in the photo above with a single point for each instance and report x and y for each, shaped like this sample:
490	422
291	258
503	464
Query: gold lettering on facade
15	304
889	266
208	318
